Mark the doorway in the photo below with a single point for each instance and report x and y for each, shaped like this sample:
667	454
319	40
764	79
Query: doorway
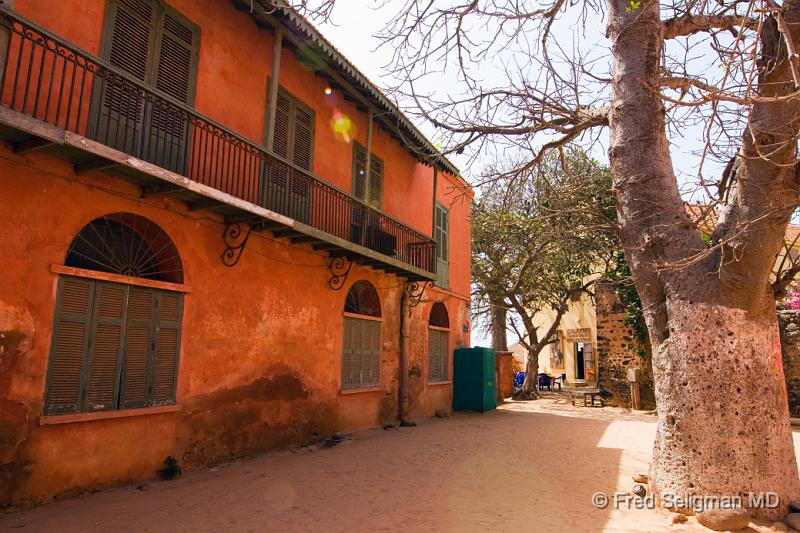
580	355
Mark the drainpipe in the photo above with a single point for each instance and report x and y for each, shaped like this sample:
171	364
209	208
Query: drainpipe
405	315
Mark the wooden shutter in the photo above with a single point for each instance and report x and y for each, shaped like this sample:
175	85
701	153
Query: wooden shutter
359	172
280	133
374	352
68	345
105	347
347	352
174	72
438	355
441	235
130	36
141	311
175	69
375	182
303	143
167	346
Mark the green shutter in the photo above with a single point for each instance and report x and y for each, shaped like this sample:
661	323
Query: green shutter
178	44
141	312
438	355
303	136
129	39
369	190
174	72
441	235
359	172
167	347
114	346
374	348
376	182
361	353
130	35
104	357
68	345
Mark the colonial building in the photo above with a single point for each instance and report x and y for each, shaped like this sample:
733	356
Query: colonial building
218	238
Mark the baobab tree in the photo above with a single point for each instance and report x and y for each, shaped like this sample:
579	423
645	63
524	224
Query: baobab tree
728	69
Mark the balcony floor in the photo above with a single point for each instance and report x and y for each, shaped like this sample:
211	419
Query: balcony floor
27	135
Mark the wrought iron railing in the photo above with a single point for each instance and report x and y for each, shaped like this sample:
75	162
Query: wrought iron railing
50	80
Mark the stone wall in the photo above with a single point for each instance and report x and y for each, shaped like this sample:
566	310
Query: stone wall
790	346
616	352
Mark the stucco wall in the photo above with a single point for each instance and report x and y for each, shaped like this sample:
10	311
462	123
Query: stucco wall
261	351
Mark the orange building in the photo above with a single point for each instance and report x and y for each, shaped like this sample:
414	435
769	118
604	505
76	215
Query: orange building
218	238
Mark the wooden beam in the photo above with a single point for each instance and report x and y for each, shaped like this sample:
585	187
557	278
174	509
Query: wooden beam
204	204
367	181
31	145
326	246
305	239
274	82
157	190
281	233
95	165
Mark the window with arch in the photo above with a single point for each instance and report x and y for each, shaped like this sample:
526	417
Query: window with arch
438	344
361	345
115	345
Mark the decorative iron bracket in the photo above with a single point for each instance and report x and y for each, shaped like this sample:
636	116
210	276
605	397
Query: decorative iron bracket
339	267
234	243
415	290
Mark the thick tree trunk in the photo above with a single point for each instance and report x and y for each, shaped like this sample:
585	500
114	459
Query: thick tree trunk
499	321
723	421
723	427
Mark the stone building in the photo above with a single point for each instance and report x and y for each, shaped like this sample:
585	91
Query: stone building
618	353
789	322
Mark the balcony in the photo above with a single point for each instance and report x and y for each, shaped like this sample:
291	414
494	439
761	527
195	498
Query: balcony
59	99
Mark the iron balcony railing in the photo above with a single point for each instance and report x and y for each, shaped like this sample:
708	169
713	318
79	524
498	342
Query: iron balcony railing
47	79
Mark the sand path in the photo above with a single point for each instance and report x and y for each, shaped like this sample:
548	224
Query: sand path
526	466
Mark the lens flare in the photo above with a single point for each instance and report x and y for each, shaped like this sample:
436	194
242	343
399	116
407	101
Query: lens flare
342	126
328	91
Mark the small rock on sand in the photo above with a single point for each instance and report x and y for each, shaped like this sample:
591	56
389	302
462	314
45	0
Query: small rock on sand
724	519
639	491
793	520
641	478
678	518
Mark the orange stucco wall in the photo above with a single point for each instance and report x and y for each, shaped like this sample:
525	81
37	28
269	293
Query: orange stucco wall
261	351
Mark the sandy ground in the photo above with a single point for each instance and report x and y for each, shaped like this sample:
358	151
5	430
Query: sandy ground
526	466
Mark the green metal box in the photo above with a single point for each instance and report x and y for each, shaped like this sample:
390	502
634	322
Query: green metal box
474	379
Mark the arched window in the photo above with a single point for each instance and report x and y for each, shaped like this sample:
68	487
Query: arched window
116	345
438	343
361	344
127	244
363	299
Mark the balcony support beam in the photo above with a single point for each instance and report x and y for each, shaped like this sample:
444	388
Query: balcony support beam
32	145
158	190
95	165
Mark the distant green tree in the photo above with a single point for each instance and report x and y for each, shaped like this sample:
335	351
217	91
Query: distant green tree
539	241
